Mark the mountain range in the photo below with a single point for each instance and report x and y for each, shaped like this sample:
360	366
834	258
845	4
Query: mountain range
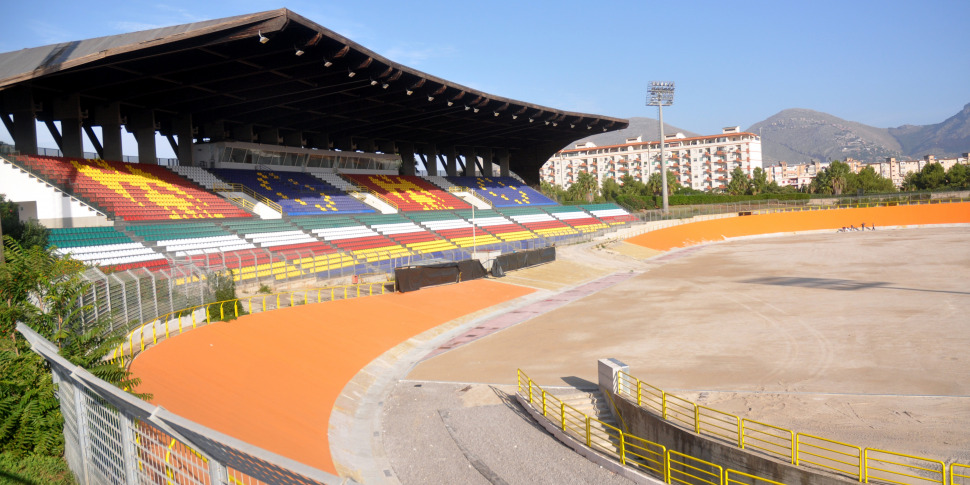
802	135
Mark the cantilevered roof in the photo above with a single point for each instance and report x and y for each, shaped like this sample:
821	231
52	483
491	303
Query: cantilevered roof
221	74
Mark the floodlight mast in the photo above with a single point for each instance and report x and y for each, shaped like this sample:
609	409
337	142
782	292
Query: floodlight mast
662	94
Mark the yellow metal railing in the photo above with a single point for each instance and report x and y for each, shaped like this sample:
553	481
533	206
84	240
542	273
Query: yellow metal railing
822	452
959	474
224	187
458	188
652	458
736	477
180	321
363	189
889	466
800	449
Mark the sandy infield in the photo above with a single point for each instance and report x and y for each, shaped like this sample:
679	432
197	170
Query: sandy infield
858	337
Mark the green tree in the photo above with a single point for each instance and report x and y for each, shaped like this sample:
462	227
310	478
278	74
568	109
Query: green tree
759	181
42	289
655	184
958	176
554	192
610	189
739	184
29	234
632	186
932	177
585	188
840	177
870	182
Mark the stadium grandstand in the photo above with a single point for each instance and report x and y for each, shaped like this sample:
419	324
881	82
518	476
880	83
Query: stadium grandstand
297	161
298	154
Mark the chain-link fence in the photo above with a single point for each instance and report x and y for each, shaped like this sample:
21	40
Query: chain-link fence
112	437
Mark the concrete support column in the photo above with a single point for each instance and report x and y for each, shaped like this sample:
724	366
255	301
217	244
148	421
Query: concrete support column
471	161
68	111
243	133
19	101
108	117
215	131
487	157
318	140
270	136
182	127
142	125
294	139
431	162
451	161
406	150
503	162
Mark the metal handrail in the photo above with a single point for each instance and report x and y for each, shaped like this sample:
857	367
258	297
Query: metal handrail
233	187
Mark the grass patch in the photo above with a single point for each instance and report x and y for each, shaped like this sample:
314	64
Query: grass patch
34	469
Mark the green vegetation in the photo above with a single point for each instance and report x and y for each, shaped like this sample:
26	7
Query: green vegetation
933	177
224	304
41	289
838	179
34	469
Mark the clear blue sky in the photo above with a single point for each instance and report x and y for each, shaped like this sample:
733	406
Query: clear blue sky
883	63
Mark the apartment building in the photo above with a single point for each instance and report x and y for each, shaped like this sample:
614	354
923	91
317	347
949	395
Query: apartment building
801	175
702	162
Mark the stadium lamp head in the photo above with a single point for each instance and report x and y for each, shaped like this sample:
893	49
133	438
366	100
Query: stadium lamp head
408	92
299	52
467	107
661	93
430	98
327	63
451	103
351	73
385	85
373	82
474	110
495	113
262	38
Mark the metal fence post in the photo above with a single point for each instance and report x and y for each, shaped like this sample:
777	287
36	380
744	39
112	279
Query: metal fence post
129	454
82	430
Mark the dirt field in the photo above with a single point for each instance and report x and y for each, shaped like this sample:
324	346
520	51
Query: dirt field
858	337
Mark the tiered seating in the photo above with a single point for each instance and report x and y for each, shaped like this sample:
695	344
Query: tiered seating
610	213
298	193
133	192
497	224
503	191
453	228
406	233
409	193
538	221
191	239
105	246
198	175
576	217
278	236
349	235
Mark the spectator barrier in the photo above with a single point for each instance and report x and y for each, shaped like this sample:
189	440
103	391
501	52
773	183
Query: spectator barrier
111	436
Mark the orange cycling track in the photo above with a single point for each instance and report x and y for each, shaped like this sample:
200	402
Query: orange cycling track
271	378
789	222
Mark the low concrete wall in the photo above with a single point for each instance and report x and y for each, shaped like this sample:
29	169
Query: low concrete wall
644	424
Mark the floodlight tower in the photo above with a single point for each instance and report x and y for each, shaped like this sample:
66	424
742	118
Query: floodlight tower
662	94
